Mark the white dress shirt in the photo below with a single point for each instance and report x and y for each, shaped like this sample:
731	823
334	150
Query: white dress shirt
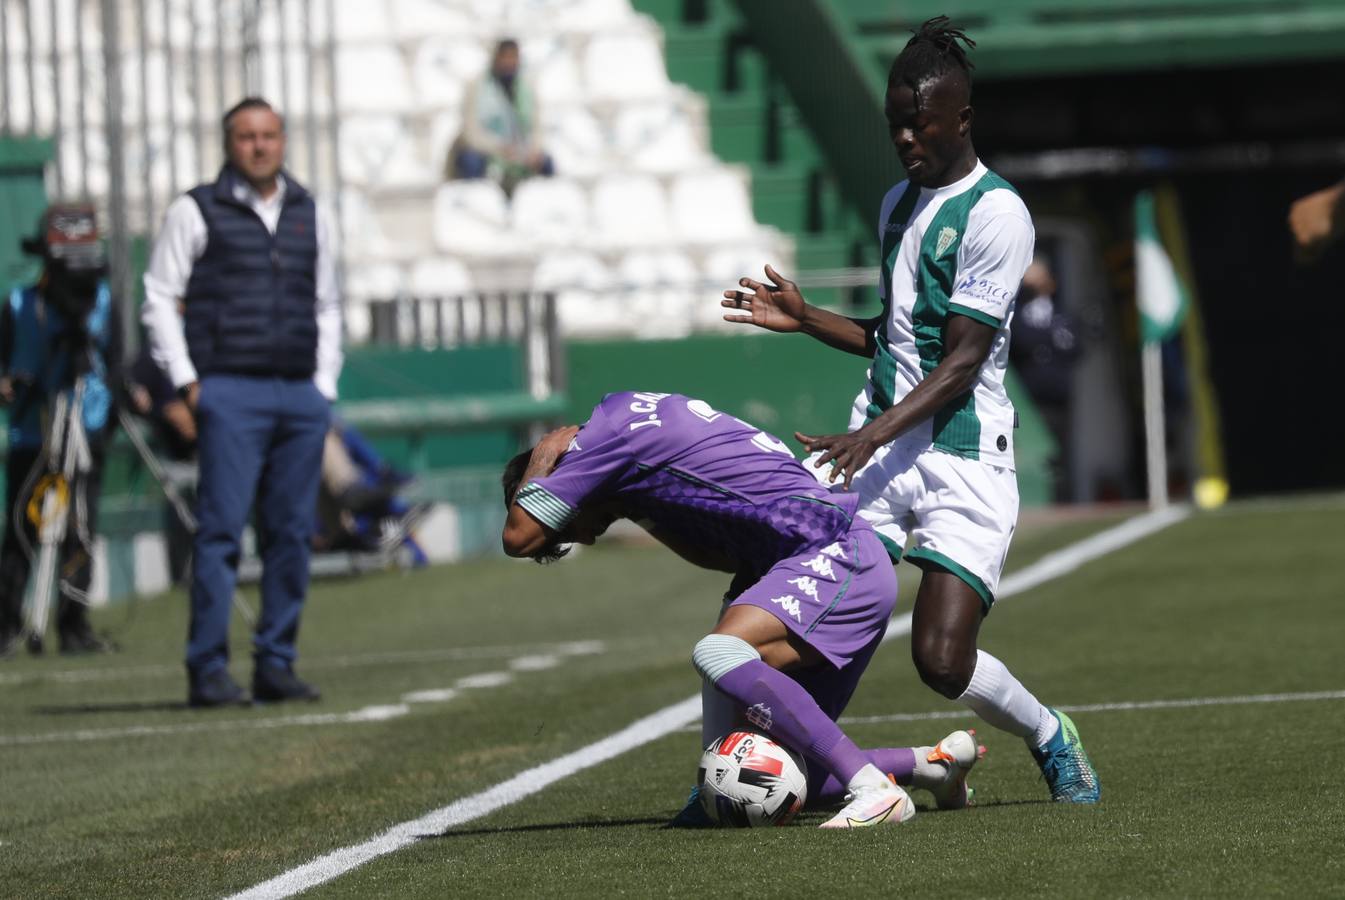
180	245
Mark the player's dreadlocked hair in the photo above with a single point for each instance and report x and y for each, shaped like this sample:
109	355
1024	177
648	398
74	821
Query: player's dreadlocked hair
511	480
933	51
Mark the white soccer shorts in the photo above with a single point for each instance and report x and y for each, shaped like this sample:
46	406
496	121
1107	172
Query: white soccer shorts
958	513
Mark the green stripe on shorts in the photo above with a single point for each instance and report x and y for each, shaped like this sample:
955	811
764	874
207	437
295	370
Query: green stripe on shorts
933	559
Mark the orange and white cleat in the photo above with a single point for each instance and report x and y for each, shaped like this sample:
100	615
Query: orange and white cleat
876	804
958	752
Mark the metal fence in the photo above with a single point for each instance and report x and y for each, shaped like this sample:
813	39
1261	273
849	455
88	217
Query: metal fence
131	92
527	319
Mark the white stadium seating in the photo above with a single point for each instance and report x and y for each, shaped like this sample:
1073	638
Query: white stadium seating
639	222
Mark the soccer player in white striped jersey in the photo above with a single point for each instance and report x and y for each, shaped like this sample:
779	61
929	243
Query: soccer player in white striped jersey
930	445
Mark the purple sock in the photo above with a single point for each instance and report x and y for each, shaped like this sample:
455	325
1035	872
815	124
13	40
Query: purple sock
899	762
780	706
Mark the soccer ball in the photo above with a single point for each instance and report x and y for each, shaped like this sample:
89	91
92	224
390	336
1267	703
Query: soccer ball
748	780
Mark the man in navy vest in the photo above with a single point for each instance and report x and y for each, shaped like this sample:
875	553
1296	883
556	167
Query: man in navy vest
256	355
51	333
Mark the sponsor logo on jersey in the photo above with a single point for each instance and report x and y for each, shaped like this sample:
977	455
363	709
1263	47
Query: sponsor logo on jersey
790	604
983	289
946	237
808	585
821	564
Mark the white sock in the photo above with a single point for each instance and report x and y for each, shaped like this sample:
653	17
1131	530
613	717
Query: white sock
868	777
1000	699
719	714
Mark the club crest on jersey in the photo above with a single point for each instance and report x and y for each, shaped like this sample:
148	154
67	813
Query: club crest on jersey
761	716
946	237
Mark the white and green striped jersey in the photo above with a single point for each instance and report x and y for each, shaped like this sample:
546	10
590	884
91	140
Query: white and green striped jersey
955	250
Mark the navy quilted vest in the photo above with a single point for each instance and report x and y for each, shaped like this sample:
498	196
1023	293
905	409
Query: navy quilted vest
252	295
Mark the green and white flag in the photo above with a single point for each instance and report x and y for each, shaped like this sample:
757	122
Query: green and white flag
1163	298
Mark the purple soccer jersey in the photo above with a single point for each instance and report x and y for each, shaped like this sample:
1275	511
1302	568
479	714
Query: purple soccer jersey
715	481
700	474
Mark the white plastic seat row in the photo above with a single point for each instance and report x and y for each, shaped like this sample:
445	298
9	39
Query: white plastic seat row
709	207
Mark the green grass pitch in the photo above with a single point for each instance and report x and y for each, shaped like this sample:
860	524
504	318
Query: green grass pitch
109	788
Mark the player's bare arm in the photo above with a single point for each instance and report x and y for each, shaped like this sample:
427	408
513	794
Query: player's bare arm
968	343
779	306
523	535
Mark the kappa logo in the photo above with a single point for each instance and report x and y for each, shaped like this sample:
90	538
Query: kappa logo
808	585
790	604
835	552
574	445
760	715
821	564
946	237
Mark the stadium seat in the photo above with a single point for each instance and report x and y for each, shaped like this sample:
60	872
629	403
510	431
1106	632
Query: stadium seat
441	276
550	211
373	281
585	302
575	141
377	151
711	207
360	23
372	77
659	137
588	16
630	210
443	68
658	292
472	217
363	239
555	78
725	265
624	67
417	19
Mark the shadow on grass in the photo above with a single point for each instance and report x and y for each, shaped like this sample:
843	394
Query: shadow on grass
549	826
87	708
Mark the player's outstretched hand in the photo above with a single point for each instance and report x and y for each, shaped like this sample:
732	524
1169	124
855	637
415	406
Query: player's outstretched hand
775	306
846	453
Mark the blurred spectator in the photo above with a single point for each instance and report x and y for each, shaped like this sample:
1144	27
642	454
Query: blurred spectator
52	333
256	356
153	398
1317	221
499	137
1044	350
358	506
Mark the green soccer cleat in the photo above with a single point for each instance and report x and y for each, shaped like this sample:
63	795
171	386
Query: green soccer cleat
693	815
1065	765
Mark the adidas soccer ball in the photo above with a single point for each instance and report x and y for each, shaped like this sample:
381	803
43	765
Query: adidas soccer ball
748	780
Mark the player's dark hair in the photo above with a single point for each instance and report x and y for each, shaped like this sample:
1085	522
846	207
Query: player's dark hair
511	481
932	52
226	121
504	44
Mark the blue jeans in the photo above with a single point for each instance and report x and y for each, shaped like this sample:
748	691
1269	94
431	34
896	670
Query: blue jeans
473	164
260	437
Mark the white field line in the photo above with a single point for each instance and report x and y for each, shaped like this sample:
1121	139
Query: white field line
1125	706
352	661
522	785
479	681
367	714
643	731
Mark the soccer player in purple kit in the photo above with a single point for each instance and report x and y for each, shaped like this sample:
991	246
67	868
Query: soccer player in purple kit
814	588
